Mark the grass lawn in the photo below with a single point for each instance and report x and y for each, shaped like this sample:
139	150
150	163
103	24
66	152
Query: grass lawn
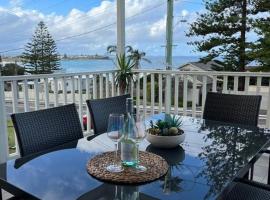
11	137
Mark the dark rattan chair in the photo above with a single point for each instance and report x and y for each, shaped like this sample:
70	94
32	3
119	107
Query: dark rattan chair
44	129
243	191
238	109
100	109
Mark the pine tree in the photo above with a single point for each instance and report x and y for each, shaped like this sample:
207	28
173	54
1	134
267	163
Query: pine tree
261	49
222	29
40	55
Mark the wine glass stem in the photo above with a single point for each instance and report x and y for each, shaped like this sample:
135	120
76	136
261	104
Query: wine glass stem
115	146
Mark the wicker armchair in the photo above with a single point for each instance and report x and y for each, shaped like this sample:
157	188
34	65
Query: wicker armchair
247	191
44	129
238	109
100	109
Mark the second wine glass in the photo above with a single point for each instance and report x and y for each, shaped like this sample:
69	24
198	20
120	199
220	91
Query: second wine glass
114	132
139	133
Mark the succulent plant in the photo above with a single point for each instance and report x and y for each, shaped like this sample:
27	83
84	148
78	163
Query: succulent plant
169	126
173	121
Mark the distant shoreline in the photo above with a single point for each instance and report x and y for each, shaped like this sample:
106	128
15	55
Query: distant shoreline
68	58
92	58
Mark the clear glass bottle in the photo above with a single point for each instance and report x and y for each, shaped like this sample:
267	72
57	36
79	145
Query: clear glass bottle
128	147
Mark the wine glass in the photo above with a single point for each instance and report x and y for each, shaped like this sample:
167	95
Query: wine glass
139	133
114	132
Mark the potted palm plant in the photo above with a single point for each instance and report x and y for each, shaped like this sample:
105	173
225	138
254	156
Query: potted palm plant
124	74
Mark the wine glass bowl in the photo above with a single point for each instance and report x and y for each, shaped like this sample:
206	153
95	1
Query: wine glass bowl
114	135
139	134
114	132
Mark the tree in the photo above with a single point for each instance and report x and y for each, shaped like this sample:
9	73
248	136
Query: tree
12	69
40	55
261	49
222	29
137	56
134	54
124	74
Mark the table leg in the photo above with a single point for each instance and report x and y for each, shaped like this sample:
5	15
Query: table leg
1	198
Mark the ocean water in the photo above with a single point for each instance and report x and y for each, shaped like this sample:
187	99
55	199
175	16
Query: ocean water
157	62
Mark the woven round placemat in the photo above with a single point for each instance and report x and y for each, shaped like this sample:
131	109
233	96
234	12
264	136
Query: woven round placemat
156	168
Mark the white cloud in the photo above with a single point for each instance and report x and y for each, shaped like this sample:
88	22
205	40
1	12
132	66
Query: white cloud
146	31
184	13
15	3
158	28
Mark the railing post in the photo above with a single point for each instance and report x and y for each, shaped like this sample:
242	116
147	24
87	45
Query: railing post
87	83
25	96
113	84
168	95
80	99
73	89
204	93
94	86
194	95
176	93
3	126
138	94
46	92
152	93
107	86
268	108
101	86
36	86
64	90
258	85
235	84
247	79
55	82
160	93
214	86
185	88
225	84
144	93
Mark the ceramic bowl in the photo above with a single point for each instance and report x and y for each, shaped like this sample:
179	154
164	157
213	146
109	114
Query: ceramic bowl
165	142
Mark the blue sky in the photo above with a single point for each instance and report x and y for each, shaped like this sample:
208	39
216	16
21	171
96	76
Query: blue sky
145	25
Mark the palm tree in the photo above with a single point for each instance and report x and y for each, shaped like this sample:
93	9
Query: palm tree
112	49
137	56
133	54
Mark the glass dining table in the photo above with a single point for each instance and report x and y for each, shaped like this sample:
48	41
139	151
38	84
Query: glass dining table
202	167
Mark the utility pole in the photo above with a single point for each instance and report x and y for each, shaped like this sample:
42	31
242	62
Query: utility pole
169	43
169	34
120	27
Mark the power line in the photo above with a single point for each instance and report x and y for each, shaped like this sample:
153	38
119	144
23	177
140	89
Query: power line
97	29
108	25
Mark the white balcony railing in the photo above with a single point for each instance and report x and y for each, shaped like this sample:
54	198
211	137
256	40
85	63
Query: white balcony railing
178	92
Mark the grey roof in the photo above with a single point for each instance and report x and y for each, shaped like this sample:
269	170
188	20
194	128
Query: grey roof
204	66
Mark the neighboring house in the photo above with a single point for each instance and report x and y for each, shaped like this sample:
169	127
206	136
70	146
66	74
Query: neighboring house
197	66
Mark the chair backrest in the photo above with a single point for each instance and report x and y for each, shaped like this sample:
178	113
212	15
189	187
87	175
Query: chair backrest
44	129
238	109
100	109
